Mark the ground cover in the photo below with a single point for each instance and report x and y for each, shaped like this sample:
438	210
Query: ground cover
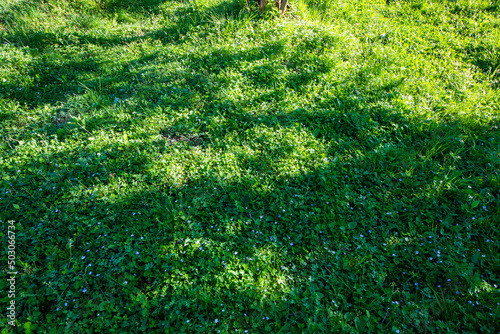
193	166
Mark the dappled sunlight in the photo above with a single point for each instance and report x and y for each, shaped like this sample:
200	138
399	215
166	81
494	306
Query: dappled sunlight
181	166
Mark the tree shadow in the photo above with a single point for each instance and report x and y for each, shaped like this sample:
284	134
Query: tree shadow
194	235
200	232
148	6
486	59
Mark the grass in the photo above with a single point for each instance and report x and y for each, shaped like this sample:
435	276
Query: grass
193	166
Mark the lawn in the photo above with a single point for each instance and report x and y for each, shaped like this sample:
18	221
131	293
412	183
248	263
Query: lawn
171	166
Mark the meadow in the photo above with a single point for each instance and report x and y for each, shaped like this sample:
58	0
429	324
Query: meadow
184	166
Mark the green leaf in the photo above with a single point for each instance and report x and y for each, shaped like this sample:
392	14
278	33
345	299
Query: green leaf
16	206
474	204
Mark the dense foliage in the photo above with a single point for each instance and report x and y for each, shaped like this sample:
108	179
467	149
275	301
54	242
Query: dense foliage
192	166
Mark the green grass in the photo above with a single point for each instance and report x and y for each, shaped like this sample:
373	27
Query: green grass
193	166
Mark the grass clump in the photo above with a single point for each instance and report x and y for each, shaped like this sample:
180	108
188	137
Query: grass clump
192	166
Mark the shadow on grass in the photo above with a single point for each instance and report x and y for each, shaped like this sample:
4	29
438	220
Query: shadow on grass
208	218
181	20
199	244
203	242
54	80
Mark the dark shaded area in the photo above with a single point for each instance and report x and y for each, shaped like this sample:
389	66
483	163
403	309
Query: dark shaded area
487	60
149	6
